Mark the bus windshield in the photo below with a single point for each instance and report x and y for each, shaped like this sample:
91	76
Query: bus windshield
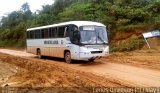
93	35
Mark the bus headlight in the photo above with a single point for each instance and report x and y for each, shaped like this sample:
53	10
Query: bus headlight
106	50
84	51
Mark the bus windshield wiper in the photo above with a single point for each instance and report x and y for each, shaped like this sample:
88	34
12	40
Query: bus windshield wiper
102	40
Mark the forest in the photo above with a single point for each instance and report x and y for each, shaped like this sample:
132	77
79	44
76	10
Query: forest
126	20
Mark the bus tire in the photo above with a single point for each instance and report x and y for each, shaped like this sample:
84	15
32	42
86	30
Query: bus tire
67	57
39	53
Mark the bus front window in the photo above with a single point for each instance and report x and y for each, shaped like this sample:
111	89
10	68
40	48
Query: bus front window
93	35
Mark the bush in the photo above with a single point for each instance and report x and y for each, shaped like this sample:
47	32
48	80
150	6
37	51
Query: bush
130	44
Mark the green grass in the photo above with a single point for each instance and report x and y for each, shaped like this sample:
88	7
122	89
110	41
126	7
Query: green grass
13	43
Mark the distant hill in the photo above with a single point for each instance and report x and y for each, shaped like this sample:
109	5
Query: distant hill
126	20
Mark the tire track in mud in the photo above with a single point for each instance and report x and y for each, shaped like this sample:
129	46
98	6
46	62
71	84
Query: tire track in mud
39	73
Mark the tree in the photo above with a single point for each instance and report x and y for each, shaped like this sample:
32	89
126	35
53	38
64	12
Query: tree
25	8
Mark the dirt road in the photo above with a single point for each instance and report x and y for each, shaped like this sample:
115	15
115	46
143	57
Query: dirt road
113	71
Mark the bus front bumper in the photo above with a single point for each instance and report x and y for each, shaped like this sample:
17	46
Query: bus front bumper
87	57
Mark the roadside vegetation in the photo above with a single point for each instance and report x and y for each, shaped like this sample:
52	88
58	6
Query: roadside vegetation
120	16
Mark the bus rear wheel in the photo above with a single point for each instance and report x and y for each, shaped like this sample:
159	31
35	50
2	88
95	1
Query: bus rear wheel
67	57
39	54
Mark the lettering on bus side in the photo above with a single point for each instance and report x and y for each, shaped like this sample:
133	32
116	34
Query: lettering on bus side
51	42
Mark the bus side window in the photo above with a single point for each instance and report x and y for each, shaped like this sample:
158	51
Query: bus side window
28	37
42	33
66	32
61	31
73	28
37	34
50	32
32	35
55	32
46	34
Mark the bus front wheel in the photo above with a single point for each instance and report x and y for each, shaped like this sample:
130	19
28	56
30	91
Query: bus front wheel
67	57
39	54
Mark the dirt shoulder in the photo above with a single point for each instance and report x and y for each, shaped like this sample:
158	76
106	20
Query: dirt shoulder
6	71
149	59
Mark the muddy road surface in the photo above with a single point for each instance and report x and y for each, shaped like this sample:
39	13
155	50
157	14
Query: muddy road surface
124	70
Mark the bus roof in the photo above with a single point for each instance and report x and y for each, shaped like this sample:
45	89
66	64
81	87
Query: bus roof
77	23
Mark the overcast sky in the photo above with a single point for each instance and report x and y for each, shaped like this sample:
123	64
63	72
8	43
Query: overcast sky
7	6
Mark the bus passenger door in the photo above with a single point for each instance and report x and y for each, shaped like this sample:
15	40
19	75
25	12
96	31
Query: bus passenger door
75	46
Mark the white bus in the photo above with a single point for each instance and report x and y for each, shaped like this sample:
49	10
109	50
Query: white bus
74	40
